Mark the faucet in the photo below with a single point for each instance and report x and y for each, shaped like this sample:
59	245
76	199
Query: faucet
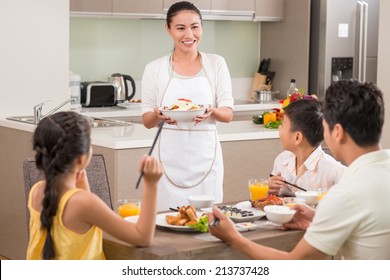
38	109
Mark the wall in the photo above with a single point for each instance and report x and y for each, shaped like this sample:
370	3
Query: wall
287	44
102	46
383	65
34	54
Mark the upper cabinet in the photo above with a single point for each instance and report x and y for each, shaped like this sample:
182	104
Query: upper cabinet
204	6
138	8
243	10
93	7
221	9
269	10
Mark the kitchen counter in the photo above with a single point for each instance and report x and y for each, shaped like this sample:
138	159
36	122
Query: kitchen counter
137	136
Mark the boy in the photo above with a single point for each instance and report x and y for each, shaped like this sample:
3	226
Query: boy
303	162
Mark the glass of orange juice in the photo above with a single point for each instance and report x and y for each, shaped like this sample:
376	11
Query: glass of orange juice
129	207
321	193
258	188
291	201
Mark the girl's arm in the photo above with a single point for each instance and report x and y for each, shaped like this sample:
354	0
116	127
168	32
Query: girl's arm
88	209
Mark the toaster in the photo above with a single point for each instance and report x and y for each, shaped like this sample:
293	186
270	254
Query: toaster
97	94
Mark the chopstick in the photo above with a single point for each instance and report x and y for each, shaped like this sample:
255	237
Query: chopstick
291	184
214	223
160	125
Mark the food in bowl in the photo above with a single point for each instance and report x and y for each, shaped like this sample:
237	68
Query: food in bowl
278	214
311	197
201	201
184	110
183	104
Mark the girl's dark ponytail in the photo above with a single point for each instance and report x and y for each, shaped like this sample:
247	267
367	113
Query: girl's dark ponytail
58	140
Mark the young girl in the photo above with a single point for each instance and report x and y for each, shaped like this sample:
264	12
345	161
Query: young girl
66	218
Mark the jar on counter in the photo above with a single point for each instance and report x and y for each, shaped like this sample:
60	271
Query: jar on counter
75	92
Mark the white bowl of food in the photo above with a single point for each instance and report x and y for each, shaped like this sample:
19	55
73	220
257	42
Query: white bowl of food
183	116
184	110
278	214
310	197
201	200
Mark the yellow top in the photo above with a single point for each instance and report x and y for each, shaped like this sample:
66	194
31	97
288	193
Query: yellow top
68	245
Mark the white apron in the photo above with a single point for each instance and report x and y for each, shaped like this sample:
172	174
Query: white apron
191	155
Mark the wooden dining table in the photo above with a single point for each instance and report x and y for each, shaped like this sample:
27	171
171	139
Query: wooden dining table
174	245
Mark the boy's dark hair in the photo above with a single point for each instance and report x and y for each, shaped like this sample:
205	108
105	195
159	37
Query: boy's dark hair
306	116
58	140
178	7
358	107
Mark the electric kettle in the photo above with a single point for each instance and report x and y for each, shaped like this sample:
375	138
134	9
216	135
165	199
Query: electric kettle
122	87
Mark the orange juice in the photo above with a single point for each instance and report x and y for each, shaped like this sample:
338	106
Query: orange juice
258	189
126	210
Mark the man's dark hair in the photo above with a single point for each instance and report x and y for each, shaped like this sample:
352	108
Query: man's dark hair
358	108
306	116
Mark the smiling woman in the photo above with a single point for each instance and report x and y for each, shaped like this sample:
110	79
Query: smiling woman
191	75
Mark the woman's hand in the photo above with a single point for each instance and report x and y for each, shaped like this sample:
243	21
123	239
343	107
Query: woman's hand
224	229
82	180
161	117
275	183
208	112
302	218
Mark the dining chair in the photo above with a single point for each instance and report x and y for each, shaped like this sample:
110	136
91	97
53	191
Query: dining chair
96	173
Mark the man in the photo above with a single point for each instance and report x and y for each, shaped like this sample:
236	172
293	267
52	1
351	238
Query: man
352	219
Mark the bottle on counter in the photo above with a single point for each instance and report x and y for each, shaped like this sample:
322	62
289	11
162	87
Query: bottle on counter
292	89
74	88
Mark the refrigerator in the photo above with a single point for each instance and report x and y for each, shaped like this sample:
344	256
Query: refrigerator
343	42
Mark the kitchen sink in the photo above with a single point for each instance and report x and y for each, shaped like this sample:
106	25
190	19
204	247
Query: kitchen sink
100	122
24	119
94	122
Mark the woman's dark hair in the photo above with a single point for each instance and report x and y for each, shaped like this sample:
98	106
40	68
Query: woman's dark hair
178	7
306	116
358	107
58	140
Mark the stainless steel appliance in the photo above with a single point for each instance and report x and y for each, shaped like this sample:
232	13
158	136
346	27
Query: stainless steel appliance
343	42
97	94
123	84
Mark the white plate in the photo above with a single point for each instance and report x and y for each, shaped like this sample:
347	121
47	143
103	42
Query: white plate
161	222
183	116
132	219
247	206
257	215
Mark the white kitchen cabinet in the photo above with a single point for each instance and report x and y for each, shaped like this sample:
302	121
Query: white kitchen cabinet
138	8
269	10
84	7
